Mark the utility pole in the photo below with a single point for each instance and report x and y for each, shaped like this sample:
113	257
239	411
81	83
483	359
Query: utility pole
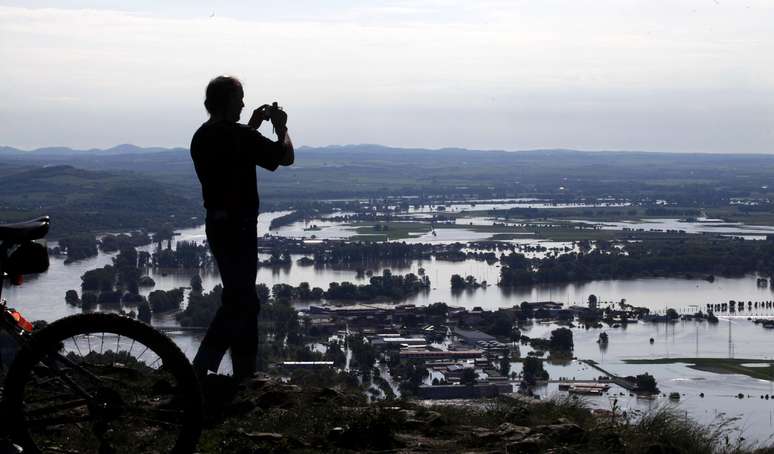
697	338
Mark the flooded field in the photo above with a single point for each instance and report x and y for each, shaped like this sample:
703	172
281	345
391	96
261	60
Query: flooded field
42	297
700	225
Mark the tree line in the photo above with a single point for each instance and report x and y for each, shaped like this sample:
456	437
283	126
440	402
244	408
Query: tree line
657	258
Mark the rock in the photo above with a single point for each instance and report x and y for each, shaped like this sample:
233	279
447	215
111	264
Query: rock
255	383
659	448
335	433
481	436
275	398
519	414
565	433
612	441
513	432
531	445
239	407
265	437
425	422
327	395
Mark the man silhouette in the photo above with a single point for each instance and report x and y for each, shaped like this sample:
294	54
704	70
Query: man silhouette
225	154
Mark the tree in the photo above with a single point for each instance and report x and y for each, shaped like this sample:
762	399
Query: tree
469	377
165	300
438	309
505	364
593	301
196	283
412	374
526	310
89	300
500	324
561	340
336	354
144	312
457	282
262	290
533	370
201	308
100	279
672	314
79	247
646	383
362	352
71	297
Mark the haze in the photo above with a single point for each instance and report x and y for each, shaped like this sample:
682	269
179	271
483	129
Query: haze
689	76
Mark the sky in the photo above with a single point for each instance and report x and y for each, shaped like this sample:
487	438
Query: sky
653	75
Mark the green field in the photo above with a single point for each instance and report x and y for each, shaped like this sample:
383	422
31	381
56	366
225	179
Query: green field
719	365
382	231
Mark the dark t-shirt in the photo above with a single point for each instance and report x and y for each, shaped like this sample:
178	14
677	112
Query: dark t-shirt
225	156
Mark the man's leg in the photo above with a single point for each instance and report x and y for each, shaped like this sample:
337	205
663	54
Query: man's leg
224	245
244	345
217	339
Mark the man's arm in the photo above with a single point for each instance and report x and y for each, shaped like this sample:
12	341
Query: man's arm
279	120
289	157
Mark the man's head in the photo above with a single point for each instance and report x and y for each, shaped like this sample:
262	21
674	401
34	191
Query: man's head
223	98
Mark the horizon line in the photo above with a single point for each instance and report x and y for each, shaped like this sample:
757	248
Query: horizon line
403	148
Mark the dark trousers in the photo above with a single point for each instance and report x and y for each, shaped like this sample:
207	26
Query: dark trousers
235	326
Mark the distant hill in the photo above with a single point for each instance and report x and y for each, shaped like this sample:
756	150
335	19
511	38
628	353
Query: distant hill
65	151
372	171
84	200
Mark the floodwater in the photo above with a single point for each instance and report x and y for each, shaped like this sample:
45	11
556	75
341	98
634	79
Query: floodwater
486	205
734	337
42	297
700	225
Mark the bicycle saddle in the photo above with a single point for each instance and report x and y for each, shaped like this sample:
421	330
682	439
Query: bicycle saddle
25	231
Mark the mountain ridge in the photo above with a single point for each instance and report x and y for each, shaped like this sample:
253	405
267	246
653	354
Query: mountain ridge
126	148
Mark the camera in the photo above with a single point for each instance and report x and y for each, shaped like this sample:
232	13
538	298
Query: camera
270	109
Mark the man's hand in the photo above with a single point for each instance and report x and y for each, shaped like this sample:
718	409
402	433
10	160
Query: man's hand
258	116
279	120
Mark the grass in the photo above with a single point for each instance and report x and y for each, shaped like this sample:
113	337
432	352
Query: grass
394	231
668	428
663	429
718	365
563	231
312	418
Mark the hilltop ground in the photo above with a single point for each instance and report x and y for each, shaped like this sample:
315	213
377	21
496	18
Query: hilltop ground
267	415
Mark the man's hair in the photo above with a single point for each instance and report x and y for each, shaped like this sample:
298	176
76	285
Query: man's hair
219	92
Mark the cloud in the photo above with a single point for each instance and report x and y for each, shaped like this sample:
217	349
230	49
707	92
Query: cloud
405	73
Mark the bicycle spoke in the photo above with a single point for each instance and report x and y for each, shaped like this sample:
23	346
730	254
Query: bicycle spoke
76	346
158	416
105	397
143	352
131	347
57	449
57	407
46	422
155	361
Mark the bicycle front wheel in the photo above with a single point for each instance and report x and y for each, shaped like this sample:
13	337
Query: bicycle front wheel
103	383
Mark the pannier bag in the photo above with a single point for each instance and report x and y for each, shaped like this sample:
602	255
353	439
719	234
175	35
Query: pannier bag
27	258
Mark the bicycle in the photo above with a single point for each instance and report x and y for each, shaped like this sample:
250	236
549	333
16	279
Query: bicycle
92	382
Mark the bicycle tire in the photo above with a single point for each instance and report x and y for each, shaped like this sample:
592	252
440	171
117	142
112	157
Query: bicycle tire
52	338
